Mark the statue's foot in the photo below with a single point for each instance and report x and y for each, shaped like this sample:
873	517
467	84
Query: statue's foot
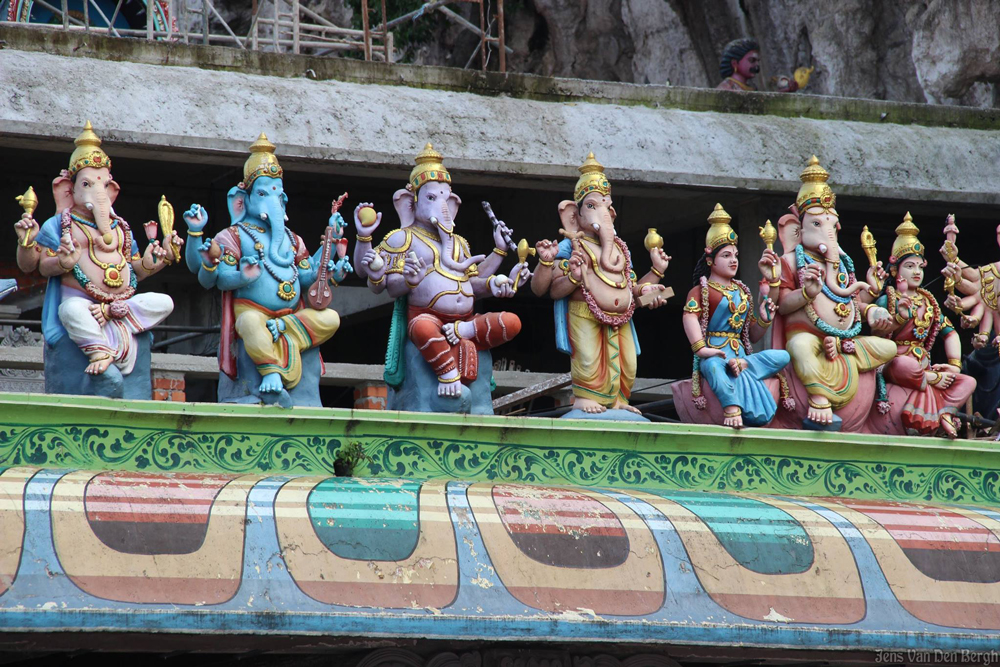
455	331
622	405
271	384
732	417
98	364
450	385
98	313
820	412
830	347
589	406
275	326
950	425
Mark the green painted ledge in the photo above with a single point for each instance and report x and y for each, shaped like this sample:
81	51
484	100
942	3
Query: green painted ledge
102	434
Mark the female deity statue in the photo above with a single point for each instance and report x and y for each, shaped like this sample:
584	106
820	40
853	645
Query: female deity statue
935	390
721	322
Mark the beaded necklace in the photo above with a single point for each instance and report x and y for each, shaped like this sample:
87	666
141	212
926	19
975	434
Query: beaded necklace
93	290
844	274
286	288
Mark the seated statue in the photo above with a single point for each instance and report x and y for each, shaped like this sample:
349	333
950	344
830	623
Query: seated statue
721	323
589	274
934	391
823	305
435	337
93	321
270	338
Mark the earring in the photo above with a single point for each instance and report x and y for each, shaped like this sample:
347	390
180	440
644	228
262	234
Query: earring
709	262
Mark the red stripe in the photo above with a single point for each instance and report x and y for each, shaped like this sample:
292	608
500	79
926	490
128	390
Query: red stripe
937	545
126	517
549	529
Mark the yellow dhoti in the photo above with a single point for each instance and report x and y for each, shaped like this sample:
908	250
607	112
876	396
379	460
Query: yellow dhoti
603	362
836	380
304	329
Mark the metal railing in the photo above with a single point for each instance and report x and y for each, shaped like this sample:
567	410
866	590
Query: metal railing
282	26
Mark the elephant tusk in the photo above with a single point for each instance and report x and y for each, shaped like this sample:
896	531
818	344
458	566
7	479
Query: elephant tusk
263	216
822	248
89	206
434	220
286	218
597	227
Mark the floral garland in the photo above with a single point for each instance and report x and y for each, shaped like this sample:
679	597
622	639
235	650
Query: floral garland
599	314
96	292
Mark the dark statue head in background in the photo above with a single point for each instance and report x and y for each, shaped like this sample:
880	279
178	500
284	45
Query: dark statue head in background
734	52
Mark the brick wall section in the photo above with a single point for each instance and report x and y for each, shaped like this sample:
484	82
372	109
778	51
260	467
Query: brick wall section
370	396
168	387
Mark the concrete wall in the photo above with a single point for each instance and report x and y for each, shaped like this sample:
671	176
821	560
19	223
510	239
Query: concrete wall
517	129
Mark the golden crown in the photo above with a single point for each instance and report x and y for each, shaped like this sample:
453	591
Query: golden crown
429	168
592	179
906	242
814	190
88	152
719	231
262	162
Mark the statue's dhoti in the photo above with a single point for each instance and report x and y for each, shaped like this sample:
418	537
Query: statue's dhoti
117	336
304	329
424	329
836	380
603	363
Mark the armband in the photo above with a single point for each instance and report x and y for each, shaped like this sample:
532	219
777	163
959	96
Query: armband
700	343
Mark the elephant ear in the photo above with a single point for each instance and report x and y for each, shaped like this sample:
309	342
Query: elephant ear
237	199
569	215
405	205
62	192
113	190
614	213
454	201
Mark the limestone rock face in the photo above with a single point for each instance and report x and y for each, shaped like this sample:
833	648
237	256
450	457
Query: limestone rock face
938	51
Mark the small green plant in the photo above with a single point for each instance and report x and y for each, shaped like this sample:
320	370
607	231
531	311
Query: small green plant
348	458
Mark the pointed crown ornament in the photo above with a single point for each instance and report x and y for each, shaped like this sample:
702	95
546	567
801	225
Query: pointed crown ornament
262	162
88	152
719	231
429	168
814	190
592	179
906	242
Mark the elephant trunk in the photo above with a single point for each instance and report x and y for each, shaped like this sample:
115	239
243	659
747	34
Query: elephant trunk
98	205
832	255
446	228
274	216
607	236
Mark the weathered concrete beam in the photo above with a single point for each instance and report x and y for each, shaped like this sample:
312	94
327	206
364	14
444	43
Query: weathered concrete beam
184	113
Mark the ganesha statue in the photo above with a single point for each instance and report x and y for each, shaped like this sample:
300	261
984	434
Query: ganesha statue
95	325
589	274
730	383
269	348
824	307
438	357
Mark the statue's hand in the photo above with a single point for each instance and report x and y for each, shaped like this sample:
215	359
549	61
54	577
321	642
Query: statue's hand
659	300
196	218
577	265
250	268
979	340
968	321
501	286
879	319
498	235
359	226
660	259
520	274
876	275
547	250
339	269
767	309
26	229
413	269
69	252
768	261
709	352
813	283
337	222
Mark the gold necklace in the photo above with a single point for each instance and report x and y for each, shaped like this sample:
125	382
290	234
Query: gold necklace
113	273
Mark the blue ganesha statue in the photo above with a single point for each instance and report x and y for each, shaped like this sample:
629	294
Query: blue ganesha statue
269	348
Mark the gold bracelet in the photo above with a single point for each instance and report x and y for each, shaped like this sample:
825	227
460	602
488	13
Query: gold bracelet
806	296
502	253
957	363
544	263
363	239
443	381
776	283
209	268
454	326
31	245
700	343
59	262
763	324
818	407
376	282
190	233
937	378
655	272
572	279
